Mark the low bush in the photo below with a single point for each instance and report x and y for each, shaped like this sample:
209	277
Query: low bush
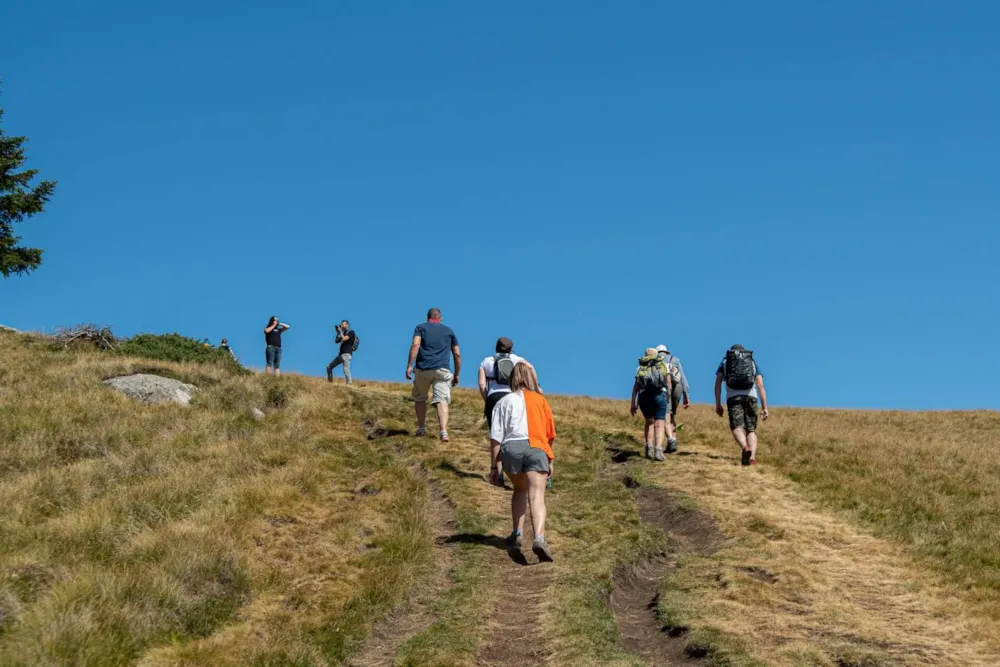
174	347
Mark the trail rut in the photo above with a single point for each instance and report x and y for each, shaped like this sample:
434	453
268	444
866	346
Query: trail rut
416	615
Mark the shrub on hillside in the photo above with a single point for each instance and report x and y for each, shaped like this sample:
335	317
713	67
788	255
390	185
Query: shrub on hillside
174	347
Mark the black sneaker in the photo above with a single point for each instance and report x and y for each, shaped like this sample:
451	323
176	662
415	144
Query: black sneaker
746	458
671	445
514	541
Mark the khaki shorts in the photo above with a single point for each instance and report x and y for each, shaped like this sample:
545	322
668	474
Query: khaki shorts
438	379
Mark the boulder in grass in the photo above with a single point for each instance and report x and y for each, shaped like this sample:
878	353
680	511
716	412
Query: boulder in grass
8	329
153	389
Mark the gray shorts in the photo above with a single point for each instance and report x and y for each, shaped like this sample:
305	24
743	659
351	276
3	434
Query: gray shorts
519	456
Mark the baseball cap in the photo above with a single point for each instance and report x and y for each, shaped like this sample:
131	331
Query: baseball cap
662	348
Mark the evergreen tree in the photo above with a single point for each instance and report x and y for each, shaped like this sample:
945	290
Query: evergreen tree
18	200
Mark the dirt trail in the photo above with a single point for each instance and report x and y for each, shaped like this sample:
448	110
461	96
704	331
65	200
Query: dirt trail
796	577
389	634
635	595
516	633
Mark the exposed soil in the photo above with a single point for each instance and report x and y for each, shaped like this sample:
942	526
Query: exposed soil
515	639
376	431
389	634
634	597
691	530
634	600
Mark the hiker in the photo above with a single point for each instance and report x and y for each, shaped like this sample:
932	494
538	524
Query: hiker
681	394
743	381
649	394
225	346
432	344
494	379
521	440
272	355
348	346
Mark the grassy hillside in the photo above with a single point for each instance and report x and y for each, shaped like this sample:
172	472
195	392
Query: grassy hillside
324	535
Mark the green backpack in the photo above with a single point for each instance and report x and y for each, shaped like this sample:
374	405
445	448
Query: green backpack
650	375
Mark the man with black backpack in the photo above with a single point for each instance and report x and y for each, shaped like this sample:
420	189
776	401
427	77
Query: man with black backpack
743	382
494	378
348	346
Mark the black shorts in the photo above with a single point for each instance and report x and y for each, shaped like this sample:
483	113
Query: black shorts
742	413
491	402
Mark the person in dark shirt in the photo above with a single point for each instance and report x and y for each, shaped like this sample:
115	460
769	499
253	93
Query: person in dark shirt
272	354
430	352
739	366
346	338
225	346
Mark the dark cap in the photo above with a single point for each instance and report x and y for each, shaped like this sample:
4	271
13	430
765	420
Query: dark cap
738	348
505	345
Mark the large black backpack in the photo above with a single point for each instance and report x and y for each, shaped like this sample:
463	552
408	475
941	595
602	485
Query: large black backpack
354	345
740	369
503	367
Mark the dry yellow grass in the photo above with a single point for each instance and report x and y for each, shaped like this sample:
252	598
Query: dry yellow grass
159	535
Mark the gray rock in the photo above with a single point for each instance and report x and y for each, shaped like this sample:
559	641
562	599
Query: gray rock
257	413
153	389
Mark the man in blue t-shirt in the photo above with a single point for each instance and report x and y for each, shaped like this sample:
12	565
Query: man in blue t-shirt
743	378
434	344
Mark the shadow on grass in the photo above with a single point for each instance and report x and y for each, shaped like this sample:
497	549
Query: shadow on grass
487	541
448	467
621	455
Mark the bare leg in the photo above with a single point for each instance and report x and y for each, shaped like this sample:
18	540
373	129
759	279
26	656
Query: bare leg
658	428
536	496
519	501
421	408
267	370
442	411
649	425
752	442
741	437
277	372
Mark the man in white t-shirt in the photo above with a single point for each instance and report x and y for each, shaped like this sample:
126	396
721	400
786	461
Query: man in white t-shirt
494	377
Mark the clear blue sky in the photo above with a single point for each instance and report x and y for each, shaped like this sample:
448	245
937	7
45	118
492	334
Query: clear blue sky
817	181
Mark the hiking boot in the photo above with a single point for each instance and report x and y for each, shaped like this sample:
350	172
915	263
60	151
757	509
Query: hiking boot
421	432
444	436
541	549
671	445
745	460
649	451
329	375
658	454
514	541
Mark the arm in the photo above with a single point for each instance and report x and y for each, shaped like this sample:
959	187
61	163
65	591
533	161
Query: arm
284	327
482	383
270	328
759	380
635	395
455	352
685	387
414	348
718	394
